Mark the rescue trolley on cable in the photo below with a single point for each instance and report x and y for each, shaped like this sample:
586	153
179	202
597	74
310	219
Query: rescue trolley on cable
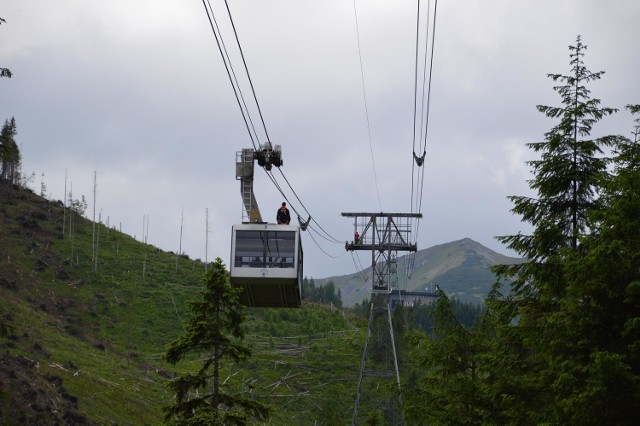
266	258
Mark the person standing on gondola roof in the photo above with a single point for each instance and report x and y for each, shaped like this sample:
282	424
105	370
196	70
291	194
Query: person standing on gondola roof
283	216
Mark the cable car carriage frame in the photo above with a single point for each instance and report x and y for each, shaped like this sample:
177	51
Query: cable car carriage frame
266	258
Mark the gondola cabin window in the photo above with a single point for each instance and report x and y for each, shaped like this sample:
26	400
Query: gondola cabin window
265	249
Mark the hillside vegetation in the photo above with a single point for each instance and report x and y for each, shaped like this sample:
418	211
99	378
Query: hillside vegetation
84	339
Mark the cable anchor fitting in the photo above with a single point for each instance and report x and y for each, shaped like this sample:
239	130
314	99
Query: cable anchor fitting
419	160
304	224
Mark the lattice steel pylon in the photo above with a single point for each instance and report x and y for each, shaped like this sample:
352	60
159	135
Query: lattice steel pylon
383	234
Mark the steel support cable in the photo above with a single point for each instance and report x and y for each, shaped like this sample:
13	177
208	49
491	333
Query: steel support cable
328	237
231	73
414	189
415	101
425	105
422	141
426	127
427	52
322	250
359	268
273	179
324	237
424	115
277	185
366	109
362	268
294	192
247	71
279	188
415	185
306	210
242	103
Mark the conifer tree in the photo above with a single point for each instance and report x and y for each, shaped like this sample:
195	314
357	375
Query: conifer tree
598	380
568	179
215	326
449	388
10	159
566	175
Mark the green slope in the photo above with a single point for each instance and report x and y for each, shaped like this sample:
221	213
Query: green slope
85	346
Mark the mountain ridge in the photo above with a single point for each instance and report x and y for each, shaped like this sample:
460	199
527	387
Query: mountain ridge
462	268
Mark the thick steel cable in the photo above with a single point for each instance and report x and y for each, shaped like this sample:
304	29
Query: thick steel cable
324	237
415	101
330	238
322	250
247	71
359	269
426	128
294	192
424	116
425	105
306	210
271	177
245	110
231	73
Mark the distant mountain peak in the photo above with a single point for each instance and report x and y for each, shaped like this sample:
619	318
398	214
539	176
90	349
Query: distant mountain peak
462	268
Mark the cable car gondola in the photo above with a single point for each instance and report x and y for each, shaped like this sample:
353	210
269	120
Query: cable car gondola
266	262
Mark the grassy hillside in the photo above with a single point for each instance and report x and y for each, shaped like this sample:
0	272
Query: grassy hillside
461	268
85	345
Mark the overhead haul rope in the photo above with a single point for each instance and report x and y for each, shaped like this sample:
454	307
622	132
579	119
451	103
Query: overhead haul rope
426	126
358	265
244	110
237	91
249	124
423	131
246	70
324	234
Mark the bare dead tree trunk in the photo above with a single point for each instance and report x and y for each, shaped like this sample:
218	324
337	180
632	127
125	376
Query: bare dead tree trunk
93	231
145	238
180	245
97	242
64	204
71	219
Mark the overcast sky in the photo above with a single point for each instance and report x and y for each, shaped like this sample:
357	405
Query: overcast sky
136	91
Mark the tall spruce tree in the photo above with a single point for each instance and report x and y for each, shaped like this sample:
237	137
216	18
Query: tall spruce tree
568	178
570	165
10	159
598	380
214	327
